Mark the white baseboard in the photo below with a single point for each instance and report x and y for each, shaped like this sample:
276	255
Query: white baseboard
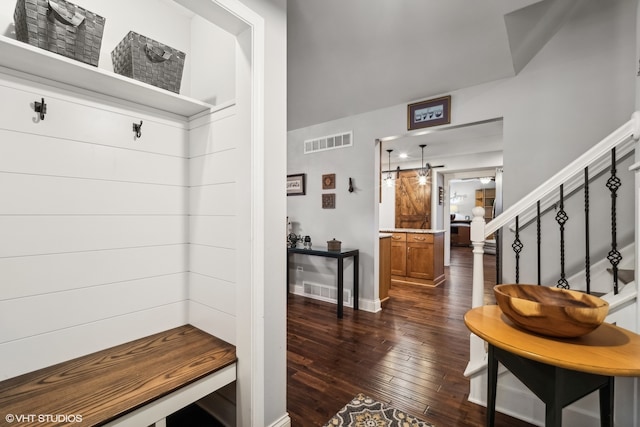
284	421
364	304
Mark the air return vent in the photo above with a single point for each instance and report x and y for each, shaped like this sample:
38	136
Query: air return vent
330	142
325	293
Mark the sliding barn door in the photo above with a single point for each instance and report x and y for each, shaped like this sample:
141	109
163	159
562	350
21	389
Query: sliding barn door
413	201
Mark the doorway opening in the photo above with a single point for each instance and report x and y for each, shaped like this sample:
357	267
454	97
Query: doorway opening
452	154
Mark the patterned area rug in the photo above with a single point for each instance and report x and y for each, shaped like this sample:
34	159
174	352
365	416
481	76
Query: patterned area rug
364	411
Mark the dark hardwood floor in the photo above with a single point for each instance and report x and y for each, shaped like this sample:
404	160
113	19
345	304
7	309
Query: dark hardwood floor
412	354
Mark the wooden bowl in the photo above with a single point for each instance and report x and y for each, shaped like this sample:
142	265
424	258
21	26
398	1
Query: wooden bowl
551	311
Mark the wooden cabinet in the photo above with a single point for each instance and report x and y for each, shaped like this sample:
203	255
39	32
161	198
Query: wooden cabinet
399	254
417	258
460	234
385	268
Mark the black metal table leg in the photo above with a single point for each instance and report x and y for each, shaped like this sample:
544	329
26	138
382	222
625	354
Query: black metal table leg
340	296
356	284
492	383
556	387
606	404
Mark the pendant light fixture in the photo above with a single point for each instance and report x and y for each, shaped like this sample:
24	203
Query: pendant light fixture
389	180
422	175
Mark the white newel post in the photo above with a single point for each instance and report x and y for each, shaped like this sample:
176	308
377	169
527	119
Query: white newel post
477	239
477	352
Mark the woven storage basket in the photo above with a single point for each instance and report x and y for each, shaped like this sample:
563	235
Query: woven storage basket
61	27
149	61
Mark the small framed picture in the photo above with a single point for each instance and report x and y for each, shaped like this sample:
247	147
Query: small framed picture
329	181
329	201
432	112
296	185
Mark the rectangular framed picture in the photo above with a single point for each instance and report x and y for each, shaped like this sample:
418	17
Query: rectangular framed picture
296	185
432	112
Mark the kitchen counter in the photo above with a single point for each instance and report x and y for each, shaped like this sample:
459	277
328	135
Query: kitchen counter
383	235
410	230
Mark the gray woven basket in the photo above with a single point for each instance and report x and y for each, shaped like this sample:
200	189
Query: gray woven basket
60	27
149	61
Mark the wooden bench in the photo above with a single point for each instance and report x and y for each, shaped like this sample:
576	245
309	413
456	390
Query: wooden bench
138	383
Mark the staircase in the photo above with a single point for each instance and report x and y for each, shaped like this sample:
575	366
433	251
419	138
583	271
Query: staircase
570	233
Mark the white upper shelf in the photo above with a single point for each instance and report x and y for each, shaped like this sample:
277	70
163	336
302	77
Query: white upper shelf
38	62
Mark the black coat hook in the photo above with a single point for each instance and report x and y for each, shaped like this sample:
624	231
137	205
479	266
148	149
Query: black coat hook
137	128
350	185
40	107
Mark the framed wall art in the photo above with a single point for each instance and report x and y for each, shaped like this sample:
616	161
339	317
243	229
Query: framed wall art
329	181
432	112
329	201
296	185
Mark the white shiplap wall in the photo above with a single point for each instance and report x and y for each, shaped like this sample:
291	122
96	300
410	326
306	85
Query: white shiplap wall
93	225
213	168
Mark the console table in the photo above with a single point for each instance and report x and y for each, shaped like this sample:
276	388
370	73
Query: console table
557	370
340	256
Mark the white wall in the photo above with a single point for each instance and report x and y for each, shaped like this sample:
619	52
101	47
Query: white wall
549	118
466	190
213	223
212	63
93	223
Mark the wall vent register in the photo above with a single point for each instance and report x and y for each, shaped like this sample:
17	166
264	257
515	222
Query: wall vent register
325	293
329	142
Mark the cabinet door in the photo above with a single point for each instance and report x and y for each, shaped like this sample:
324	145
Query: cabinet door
385	268
420	260
398	258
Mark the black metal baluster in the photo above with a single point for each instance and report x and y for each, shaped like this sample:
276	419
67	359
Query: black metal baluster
498	257
539	238
517	248
614	257
587	258
562	218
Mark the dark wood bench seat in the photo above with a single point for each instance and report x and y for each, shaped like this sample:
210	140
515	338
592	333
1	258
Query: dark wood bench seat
137	383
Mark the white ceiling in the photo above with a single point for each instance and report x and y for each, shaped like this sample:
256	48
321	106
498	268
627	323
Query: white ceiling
350	57
441	144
